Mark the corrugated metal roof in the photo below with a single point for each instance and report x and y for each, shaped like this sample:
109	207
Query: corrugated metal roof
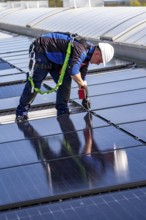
121	25
5	35
22	17
111	23
92	23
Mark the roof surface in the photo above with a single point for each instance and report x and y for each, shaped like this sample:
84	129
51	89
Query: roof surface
90	165
125	24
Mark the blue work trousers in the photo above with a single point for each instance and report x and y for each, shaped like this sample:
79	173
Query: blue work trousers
39	74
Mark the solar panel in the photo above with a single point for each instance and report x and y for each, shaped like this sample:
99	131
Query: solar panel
14	44
11	91
6	56
49	159
51	126
117	100
137	129
11	71
12	102
17	57
72	176
112	77
124	114
118	86
10	79
114	63
29	143
128	204
4	65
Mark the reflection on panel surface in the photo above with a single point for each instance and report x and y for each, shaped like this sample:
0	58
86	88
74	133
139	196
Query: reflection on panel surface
4	65
11	91
87	154
72	175
47	126
71	140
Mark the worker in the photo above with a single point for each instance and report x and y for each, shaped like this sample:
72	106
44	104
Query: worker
47	55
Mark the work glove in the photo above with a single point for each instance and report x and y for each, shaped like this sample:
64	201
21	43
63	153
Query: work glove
86	103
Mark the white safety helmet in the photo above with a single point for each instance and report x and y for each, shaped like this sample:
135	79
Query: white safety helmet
107	52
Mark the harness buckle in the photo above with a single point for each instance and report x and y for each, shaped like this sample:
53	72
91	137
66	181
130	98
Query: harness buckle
72	37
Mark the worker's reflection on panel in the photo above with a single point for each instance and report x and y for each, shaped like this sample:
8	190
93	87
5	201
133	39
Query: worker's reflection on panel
88	161
120	163
40	145
74	165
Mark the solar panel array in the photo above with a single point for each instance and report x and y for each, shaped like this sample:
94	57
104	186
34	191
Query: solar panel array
47	159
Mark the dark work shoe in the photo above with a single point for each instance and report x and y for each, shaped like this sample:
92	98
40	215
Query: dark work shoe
61	112
22	113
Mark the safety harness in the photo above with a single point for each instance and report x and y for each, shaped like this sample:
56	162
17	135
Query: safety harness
63	70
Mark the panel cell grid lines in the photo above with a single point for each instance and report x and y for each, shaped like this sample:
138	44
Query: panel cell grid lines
46	160
117	205
41	182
